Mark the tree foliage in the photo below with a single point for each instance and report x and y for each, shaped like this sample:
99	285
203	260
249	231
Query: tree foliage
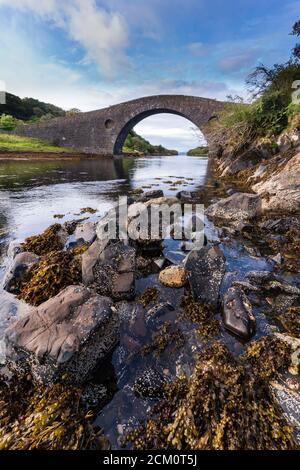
136	143
7	122
28	108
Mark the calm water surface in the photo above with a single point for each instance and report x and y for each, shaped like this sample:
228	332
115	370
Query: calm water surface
32	192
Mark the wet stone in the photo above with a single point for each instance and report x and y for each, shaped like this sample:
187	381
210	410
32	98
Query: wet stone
206	268
18	270
110	269
237	313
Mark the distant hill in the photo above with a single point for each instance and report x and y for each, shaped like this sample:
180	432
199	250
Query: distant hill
198	151
136	143
28	109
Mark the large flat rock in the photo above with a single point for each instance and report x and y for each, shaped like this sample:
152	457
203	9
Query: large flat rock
281	191
70	333
239	206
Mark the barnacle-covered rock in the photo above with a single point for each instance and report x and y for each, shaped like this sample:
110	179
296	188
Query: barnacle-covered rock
239	206
71	333
110	268
53	238
150	383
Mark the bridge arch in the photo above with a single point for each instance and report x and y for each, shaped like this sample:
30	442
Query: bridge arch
119	143
103	132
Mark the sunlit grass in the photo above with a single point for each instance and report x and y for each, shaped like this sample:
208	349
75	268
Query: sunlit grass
27	144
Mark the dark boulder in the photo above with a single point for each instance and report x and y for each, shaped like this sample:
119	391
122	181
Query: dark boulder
237	313
148	195
206	268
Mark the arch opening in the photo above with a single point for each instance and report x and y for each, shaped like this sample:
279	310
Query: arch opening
140	121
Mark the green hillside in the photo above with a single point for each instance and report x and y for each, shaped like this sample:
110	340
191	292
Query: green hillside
29	108
198	151
136	143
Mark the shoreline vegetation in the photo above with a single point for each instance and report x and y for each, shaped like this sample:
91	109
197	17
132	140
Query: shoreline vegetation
198	152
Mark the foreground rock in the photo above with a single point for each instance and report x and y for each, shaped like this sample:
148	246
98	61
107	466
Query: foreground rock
237	313
110	269
18	270
153	194
294	344
173	276
239	206
281	191
84	234
69	333
206	268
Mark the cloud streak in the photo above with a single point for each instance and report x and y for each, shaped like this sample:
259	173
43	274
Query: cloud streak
102	35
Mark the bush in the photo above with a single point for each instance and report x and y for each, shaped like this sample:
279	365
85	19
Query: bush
7	122
271	111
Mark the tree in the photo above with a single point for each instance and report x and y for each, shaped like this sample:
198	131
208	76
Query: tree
73	111
235	98
296	29
296	32
7	122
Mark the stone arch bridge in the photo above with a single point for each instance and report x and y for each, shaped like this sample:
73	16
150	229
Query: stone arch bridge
104	131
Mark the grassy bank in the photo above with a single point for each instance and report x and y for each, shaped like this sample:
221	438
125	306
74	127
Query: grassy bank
198	151
14	143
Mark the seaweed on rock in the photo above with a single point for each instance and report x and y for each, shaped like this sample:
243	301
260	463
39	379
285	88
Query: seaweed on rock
150	295
202	315
57	270
46	242
225	404
45	418
163	338
290	320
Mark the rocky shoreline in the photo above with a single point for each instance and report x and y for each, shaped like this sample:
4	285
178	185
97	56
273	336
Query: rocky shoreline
209	341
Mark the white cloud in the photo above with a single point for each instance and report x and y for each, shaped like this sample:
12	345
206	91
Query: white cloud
102	35
198	49
171	131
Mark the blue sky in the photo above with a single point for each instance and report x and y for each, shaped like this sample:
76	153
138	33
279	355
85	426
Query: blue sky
91	54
